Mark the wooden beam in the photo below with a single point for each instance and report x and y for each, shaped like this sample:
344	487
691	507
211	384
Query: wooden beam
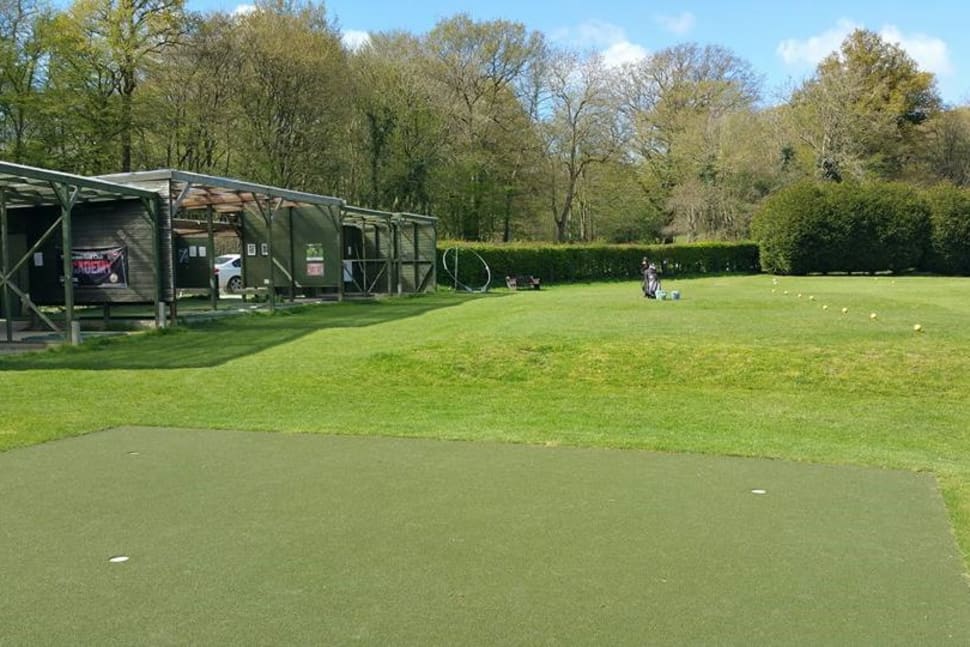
5	254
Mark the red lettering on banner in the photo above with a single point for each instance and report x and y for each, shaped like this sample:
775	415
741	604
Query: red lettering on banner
91	266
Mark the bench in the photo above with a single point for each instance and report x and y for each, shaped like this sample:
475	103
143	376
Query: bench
526	282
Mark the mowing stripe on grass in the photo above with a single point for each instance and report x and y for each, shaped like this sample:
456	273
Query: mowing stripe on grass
251	538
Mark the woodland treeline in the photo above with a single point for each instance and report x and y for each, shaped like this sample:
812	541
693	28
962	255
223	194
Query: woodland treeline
496	130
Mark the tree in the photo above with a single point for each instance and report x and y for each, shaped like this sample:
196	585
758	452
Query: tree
291	89
478	69
677	104
375	80
191	126
613	206
126	37
861	110
944	149
22	52
398	125
80	107
581	131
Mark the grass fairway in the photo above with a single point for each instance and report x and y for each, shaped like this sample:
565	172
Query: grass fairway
737	367
241	538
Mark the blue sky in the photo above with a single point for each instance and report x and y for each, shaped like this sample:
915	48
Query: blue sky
783	40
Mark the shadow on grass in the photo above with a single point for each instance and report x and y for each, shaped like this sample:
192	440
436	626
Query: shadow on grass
214	342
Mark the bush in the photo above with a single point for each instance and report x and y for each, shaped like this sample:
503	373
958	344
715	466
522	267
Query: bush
574	263
950	230
889	226
794	230
846	227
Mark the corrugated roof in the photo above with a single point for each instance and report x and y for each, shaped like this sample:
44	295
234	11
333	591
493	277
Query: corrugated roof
30	186
221	193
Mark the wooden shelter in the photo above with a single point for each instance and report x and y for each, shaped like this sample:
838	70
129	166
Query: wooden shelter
296	243
115	237
67	239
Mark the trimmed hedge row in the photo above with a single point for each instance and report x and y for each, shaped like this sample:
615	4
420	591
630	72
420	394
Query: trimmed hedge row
949	251
875	227
580	263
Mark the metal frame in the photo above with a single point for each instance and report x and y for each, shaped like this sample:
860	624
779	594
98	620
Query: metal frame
377	221
392	266
201	190
24	187
429	278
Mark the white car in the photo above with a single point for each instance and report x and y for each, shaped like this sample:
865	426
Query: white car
228	269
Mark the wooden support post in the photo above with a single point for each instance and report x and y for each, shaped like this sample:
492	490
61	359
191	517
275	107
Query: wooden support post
67	197
269	215
289	215
211	251
415	265
272	264
340	257
153	207
67	238
397	256
5	253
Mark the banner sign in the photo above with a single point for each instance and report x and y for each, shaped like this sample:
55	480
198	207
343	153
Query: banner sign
314	269
314	259
100	267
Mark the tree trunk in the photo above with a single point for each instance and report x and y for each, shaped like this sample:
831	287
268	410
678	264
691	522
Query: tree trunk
128	84
507	224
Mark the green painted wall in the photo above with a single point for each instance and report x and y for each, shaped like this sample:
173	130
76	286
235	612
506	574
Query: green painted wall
310	258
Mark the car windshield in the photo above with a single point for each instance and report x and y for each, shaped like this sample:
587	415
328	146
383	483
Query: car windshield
224	259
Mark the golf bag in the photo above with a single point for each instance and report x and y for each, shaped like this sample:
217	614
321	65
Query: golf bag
651	283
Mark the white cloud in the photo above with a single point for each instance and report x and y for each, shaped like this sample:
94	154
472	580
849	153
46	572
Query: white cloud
243	9
930	53
623	52
593	33
354	39
677	24
813	49
606	38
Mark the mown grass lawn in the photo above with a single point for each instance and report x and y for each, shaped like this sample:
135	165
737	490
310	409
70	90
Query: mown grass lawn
736	367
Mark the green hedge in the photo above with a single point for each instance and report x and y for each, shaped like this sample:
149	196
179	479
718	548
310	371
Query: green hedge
845	227
580	263
950	233
805	228
795	230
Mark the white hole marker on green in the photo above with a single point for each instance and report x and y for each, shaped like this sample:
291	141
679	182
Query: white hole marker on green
759	491
118	559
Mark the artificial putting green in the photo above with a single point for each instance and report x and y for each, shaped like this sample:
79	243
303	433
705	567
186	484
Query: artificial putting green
254	538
